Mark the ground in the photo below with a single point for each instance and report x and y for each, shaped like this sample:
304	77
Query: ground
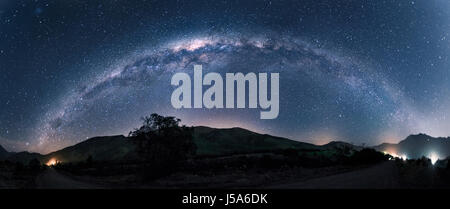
52	179
381	176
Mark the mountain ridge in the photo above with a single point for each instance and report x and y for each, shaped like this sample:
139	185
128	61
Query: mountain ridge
3	152
224	141
418	145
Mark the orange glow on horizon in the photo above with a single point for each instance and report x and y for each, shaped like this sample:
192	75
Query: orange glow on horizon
395	155
52	162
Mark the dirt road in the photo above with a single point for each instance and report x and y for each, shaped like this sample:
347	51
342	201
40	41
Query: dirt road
52	179
381	176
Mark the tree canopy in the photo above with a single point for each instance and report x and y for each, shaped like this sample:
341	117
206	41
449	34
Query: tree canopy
155	122
163	143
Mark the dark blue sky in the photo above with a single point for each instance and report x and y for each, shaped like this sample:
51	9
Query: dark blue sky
364	72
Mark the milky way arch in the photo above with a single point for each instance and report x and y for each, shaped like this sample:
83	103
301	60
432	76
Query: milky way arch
322	93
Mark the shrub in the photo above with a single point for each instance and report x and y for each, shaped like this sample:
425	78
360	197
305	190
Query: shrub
368	156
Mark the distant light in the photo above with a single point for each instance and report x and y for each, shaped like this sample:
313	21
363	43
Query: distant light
52	162
404	157
433	157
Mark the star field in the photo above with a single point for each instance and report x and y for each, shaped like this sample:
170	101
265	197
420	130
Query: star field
358	72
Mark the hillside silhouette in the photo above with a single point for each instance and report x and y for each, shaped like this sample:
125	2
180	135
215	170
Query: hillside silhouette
225	141
419	145
3	152
163	153
209	142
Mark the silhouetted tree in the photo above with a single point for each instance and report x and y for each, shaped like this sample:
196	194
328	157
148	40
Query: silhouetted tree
34	164
368	156
424	161
155	122
19	167
163	143
89	161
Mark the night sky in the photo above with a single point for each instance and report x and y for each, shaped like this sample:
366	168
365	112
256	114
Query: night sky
357	71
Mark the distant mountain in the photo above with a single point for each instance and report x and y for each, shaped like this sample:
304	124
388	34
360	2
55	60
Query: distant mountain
106	148
416	146
23	157
3	152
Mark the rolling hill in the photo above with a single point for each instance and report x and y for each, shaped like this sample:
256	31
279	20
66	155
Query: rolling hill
213	141
108	148
105	148
209	141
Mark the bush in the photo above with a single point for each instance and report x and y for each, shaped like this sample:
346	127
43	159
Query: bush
368	156
34	165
